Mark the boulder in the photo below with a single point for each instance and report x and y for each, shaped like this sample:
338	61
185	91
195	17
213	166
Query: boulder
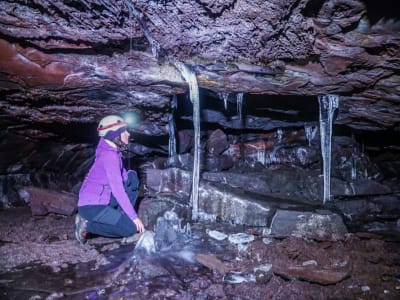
43	201
320	276
322	225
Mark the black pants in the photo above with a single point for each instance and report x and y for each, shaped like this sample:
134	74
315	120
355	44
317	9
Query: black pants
110	220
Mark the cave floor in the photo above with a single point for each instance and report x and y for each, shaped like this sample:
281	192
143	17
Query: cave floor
40	259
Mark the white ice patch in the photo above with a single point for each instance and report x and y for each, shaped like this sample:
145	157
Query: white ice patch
146	242
263	268
217	234
365	288
240	238
267	241
206	217
310	263
186	255
24	195
237	277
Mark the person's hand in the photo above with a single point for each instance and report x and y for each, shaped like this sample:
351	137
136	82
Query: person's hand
139	225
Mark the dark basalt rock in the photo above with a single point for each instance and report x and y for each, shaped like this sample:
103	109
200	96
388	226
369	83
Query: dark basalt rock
80	57
66	64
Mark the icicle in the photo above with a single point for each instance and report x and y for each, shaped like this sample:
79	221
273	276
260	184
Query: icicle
279	135
190	78
327	106
353	169
310	132
261	155
171	129
239	102
224	96
272	156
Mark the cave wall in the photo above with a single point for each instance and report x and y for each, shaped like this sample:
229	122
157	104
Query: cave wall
66	64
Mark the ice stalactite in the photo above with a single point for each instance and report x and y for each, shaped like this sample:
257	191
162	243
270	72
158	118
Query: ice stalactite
224	97
279	135
353	169
190	78
327	106
261	155
172	129
239	102
273	157
310	132
265	158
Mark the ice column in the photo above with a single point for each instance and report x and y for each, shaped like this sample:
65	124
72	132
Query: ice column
172	129
190	78
327	106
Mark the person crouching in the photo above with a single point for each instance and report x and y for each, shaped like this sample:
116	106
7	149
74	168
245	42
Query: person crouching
106	205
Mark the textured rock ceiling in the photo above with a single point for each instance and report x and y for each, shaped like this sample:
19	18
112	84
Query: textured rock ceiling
71	62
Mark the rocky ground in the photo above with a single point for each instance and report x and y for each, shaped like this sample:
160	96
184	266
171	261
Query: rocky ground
39	259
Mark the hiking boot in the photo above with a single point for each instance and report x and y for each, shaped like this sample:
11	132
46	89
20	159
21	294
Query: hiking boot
80	229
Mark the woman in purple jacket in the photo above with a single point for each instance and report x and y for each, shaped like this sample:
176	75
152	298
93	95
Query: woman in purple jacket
109	192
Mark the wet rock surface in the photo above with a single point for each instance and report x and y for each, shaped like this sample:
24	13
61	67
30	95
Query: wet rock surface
40	258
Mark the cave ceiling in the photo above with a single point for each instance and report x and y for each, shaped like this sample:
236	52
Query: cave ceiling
72	62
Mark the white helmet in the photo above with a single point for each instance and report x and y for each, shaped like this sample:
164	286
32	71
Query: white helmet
110	123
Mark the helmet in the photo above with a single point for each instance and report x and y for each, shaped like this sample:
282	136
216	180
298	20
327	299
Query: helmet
111	123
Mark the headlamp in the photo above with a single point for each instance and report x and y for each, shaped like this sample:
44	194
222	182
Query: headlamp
130	118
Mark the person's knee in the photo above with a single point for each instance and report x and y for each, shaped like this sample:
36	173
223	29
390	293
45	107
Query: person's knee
126	227
129	231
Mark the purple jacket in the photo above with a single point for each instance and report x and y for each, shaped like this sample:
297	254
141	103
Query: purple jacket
106	176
